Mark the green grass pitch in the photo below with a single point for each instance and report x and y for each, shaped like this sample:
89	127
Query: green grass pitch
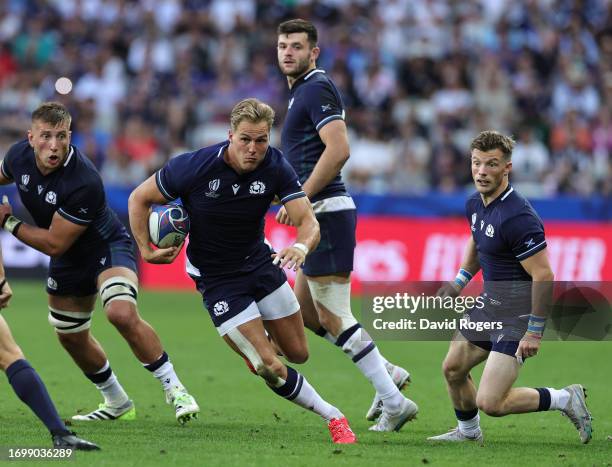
243	423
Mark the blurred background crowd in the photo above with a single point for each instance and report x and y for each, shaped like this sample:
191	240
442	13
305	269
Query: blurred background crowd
420	78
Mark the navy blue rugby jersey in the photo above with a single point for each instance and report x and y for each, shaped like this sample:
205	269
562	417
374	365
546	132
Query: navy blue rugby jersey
314	101
74	191
506	232
226	210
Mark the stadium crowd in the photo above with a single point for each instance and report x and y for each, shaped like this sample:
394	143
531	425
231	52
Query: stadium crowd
420	78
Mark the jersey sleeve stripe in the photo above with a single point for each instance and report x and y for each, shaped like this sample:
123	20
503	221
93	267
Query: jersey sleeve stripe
160	185
299	194
4	174
541	244
326	120
72	218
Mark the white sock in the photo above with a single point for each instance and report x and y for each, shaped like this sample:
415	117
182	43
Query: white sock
311	400
558	398
167	377
470	427
299	391
365	354
114	395
373	368
388	365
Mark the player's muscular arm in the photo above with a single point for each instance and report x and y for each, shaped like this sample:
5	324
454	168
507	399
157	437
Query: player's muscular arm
333	158
54	241
139	204
301	215
308	235
538	267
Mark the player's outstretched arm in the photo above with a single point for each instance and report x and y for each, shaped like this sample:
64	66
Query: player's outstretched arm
54	241
538	267
469	267
333	158
139	206
308	235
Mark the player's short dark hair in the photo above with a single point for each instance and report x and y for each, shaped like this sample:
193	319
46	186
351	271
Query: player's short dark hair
299	25
490	140
252	110
53	113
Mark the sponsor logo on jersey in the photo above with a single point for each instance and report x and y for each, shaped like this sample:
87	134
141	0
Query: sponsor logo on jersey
83	210
103	261
213	186
257	188
40	189
529	243
235	188
220	308
325	107
490	231
481	224
51	197
291	102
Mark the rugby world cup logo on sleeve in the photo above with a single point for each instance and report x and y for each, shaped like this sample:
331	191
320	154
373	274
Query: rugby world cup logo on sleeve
25	179
257	188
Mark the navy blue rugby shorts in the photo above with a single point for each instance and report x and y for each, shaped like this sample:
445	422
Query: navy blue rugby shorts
232	300
490	338
79	278
335	251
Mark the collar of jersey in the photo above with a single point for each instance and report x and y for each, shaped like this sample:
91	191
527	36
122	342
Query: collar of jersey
304	78
502	196
70	154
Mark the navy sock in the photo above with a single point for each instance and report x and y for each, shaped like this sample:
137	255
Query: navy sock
31	390
466	415
157	363
544	399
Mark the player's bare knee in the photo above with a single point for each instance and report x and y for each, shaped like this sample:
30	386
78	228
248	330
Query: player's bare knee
297	355
453	371
492	406
122	315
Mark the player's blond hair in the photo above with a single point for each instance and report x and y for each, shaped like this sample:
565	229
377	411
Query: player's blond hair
53	113
252	110
490	140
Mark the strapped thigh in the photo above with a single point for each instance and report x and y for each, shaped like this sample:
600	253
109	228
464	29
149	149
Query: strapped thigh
69	322
118	288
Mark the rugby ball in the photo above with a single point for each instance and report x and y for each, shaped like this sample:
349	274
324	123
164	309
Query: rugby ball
168	225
